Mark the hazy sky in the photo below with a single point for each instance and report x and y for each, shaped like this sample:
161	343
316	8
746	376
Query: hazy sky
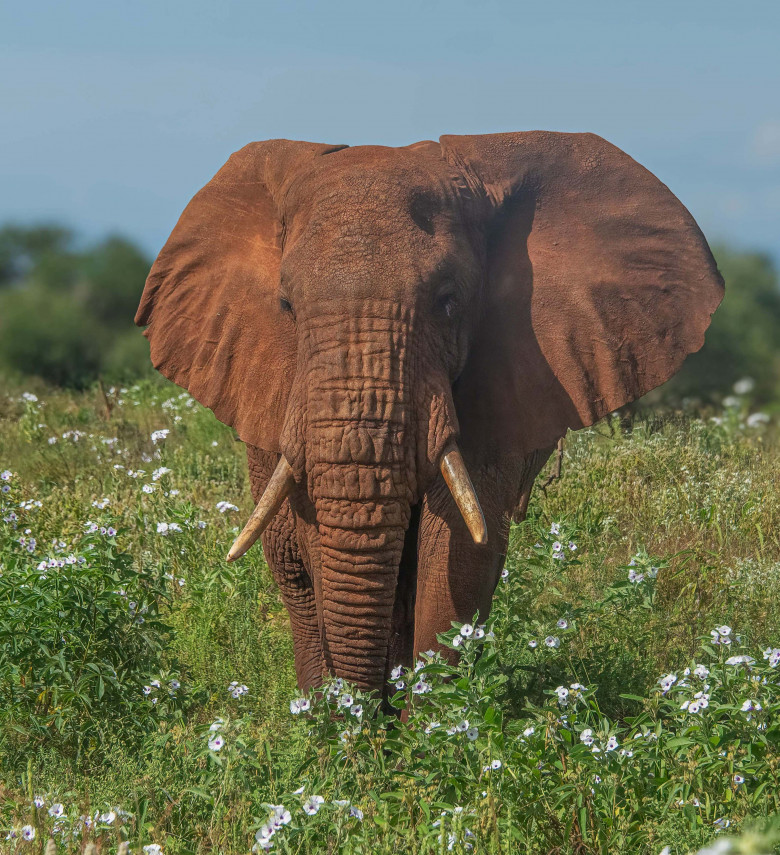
112	114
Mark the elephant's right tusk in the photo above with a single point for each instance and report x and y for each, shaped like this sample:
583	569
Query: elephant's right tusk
278	489
457	478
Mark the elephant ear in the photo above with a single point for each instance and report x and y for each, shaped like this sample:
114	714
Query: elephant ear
599	284
211	300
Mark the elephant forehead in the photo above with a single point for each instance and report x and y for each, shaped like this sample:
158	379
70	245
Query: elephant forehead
361	224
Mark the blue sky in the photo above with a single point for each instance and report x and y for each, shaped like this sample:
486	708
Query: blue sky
115	113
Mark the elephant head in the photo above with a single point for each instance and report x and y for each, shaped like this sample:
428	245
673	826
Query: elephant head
368	313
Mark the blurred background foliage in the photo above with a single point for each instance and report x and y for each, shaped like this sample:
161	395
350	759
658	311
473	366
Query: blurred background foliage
66	316
66	311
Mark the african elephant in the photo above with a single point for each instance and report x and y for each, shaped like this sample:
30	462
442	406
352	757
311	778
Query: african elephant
400	336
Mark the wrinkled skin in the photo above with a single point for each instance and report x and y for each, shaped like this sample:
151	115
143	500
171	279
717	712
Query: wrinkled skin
359	311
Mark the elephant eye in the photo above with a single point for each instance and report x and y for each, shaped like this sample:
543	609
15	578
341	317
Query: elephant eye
285	305
445	304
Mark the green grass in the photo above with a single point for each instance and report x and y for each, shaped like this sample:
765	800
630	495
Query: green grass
696	498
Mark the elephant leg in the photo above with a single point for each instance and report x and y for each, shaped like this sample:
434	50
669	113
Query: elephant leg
400	650
283	554
456	577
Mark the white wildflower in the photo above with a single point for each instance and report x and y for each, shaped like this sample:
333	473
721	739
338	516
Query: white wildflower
313	804
754	420
744	386
216	742
280	816
740	660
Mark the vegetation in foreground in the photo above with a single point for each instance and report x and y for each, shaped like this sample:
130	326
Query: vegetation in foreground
626	697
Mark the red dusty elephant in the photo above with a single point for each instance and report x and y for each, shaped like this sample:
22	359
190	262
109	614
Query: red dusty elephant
400	336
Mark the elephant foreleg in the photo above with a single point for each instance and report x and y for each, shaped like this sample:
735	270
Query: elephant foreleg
457	577
283	554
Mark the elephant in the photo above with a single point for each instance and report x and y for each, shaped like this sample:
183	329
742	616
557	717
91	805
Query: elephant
401	336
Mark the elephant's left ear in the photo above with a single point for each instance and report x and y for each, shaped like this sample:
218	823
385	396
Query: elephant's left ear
599	284
211	301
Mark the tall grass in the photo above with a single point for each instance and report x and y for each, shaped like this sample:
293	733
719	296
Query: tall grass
165	627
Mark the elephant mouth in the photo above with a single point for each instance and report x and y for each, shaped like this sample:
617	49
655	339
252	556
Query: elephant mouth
282	482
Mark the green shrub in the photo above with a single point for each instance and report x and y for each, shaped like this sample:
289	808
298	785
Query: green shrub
81	637
49	335
66	314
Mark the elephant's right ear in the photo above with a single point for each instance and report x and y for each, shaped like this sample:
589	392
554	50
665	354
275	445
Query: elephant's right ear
211	301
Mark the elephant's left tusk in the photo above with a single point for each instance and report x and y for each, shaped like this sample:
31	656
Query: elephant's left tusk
278	489
457	478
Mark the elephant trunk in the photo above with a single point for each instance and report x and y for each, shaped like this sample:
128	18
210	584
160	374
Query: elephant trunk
359	562
361	467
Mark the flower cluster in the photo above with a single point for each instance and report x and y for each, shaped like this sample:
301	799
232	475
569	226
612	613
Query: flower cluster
167	528
223	507
279	817
65	823
773	655
570	695
721	635
237	690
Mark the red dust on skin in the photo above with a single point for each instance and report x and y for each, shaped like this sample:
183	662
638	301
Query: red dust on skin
358	314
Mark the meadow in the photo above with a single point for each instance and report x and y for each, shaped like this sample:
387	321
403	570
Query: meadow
623	697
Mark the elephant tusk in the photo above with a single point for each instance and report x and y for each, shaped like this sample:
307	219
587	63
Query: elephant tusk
457	478
278	489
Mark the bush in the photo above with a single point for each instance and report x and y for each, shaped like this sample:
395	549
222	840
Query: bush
114	273
67	315
49	335
81	635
